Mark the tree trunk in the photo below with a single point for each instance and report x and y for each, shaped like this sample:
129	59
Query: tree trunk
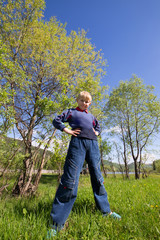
24	181
39	173
126	169
102	162
124	153
136	169
25	184
104	170
134	156
140	162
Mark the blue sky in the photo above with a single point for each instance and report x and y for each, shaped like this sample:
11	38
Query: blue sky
127	31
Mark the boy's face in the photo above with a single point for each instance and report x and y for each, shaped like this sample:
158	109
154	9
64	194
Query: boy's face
83	103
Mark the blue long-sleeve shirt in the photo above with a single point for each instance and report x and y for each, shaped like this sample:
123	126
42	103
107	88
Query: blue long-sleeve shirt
78	119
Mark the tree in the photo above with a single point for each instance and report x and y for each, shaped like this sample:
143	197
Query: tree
156	165
105	149
60	146
50	68
135	110
120	154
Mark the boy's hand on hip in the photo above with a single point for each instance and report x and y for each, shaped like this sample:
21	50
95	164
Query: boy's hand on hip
96	133
74	132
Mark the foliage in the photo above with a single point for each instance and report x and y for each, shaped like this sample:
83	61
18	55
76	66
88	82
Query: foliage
105	145
6	109
156	166
60	146
28	218
105	148
135	111
11	160
10	153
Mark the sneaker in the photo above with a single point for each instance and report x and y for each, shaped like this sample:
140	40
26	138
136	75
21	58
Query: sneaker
115	216
51	233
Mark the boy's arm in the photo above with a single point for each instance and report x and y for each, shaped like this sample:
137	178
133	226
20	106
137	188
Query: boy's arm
58	123
96	127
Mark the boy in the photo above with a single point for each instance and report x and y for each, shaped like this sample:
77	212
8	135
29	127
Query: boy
83	146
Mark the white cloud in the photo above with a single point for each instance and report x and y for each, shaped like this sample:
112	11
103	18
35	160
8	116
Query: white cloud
114	129
150	157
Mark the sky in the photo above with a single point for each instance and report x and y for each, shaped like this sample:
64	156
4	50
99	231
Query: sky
127	32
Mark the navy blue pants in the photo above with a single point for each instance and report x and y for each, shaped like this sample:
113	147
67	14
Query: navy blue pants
80	149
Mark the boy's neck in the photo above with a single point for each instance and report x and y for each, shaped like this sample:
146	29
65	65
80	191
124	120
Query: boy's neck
79	109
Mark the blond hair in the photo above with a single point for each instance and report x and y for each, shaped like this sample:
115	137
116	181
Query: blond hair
85	95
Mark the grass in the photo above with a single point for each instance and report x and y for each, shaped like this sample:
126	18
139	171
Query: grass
137	201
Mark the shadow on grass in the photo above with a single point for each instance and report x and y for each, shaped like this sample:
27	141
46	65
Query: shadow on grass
33	207
41	208
84	205
36	205
48	179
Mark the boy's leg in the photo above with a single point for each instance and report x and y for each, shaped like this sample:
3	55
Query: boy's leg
67	191
100	194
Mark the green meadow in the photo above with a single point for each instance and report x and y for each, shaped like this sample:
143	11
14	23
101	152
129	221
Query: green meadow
137	201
